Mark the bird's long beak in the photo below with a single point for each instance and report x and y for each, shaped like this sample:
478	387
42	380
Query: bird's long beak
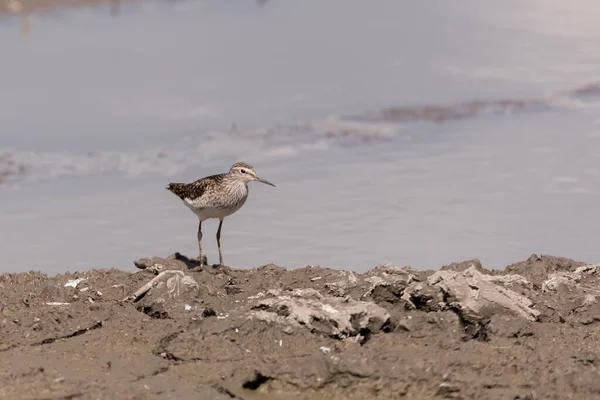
264	181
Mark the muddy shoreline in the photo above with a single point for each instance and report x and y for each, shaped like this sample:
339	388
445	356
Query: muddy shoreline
526	332
25	7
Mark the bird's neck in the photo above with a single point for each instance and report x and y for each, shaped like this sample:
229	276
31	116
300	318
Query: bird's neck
238	188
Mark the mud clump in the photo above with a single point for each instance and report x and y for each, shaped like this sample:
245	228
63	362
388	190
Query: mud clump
174	329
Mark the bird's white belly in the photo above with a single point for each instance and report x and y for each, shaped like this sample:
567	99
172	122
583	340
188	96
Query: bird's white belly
211	212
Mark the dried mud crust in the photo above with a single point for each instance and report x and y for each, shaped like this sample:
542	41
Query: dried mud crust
527	332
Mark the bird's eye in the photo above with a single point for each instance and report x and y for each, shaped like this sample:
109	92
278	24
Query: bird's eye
243	171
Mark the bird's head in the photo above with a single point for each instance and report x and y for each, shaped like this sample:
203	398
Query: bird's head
246	172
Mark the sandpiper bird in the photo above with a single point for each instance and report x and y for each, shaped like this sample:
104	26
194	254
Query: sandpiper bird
217	196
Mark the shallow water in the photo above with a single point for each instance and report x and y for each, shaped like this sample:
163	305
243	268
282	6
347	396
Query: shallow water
103	112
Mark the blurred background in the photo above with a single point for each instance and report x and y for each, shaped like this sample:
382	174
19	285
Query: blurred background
413	133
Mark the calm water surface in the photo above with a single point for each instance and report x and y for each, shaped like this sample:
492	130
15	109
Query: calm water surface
104	111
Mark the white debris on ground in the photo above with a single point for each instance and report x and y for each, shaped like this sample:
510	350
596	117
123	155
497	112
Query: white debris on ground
333	316
74	282
476	294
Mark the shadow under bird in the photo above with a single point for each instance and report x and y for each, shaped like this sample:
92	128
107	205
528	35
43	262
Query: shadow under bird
217	196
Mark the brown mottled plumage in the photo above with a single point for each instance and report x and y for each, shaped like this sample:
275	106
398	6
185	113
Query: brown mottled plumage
195	189
217	196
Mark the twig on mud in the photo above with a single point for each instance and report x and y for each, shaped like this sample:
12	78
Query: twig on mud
141	291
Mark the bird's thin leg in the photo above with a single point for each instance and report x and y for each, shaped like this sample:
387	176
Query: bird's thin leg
200	241
219	242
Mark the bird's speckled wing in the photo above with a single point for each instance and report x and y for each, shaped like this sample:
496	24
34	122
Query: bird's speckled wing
195	190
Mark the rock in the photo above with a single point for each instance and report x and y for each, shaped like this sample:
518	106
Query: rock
384	283
156	264
508	280
341	286
448	390
176	261
569	279
208	312
419	296
232	289
388	282
538	268
332	316
589	300
476	297
556	280
462	266
509	326
270	269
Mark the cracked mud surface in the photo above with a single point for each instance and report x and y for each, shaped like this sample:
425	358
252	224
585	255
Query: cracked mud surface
527	332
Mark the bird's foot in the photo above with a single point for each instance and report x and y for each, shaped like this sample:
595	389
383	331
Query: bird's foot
202	261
